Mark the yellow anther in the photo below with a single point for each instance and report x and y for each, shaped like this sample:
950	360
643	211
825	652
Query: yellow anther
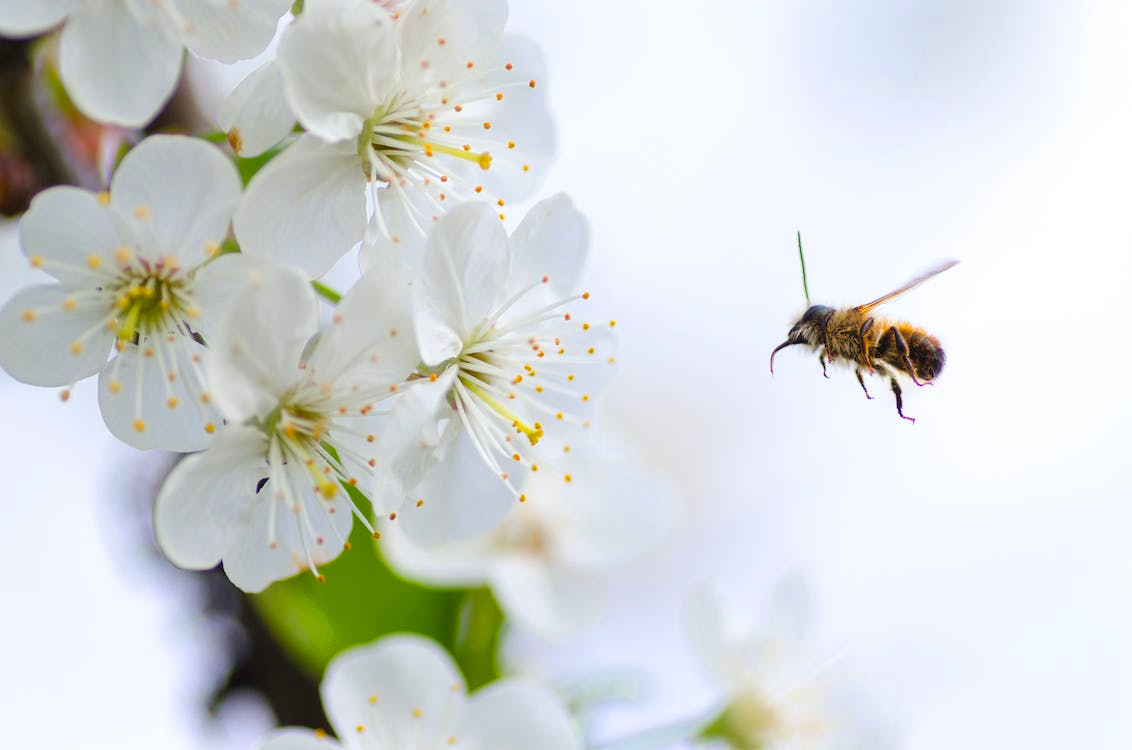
328	489
484	160
36	261
235	140
568	478
103	198
76	347
211	248
93	261
122	254
141	212
139	425
210	428
27	316
172	402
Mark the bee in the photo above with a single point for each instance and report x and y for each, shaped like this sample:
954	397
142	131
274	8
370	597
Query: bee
870	343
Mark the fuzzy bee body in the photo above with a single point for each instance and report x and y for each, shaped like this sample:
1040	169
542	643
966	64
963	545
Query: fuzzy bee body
871	344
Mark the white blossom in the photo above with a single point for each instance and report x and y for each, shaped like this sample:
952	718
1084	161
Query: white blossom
419	108
404	691
506	363
267	496
778	691
120	59
136	272
546	562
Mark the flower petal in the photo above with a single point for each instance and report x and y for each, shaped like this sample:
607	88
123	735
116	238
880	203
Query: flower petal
51	340
403	689
71	235
439	37
461	564
552	240
230	31
256	115
146	408
618	509
277	543
463	275
339	62
411	442
541	597
461	497
255	353
307	207
179	193
298	739
118	67
371	342
20	18
518	714
205	495
218	284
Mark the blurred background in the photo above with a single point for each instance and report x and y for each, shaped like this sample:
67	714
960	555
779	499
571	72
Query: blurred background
973	568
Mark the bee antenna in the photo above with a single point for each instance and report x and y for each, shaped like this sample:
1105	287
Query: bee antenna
801	257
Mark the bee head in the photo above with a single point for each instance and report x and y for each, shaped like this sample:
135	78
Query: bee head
809	329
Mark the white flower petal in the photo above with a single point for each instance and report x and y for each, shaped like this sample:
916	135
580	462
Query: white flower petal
403	689
552	240
370	342
298	739
116	66
339	61
518	714
47	343
463	273
542	598
471	31
256	115
618	509
461	564
255	354
229	31
26	17
73	234
179	193
411	442
168	412
314	533
307	207
461	495
218	284
205	495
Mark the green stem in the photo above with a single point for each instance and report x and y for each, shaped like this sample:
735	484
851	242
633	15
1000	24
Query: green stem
477	640
326	292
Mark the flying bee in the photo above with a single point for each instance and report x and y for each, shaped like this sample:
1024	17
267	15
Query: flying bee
869	343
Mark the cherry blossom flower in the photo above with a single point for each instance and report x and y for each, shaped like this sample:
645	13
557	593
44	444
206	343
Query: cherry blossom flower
506	364
778	694
120	59
404	691
138	272
267	496
546	562
426	106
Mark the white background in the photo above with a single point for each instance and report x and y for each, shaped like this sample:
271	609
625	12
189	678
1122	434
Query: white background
973	567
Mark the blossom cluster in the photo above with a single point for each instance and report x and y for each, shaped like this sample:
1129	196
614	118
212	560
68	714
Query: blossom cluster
444	402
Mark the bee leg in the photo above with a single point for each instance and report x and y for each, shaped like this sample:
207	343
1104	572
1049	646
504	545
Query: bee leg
902	351
899	400
861	380
864	331
821	358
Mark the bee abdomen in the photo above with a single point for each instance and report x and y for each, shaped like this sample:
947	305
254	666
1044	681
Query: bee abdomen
926	354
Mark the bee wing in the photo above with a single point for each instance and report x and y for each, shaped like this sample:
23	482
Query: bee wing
910	285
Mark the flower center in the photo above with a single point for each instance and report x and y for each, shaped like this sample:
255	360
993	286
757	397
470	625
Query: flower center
150	299
401	132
